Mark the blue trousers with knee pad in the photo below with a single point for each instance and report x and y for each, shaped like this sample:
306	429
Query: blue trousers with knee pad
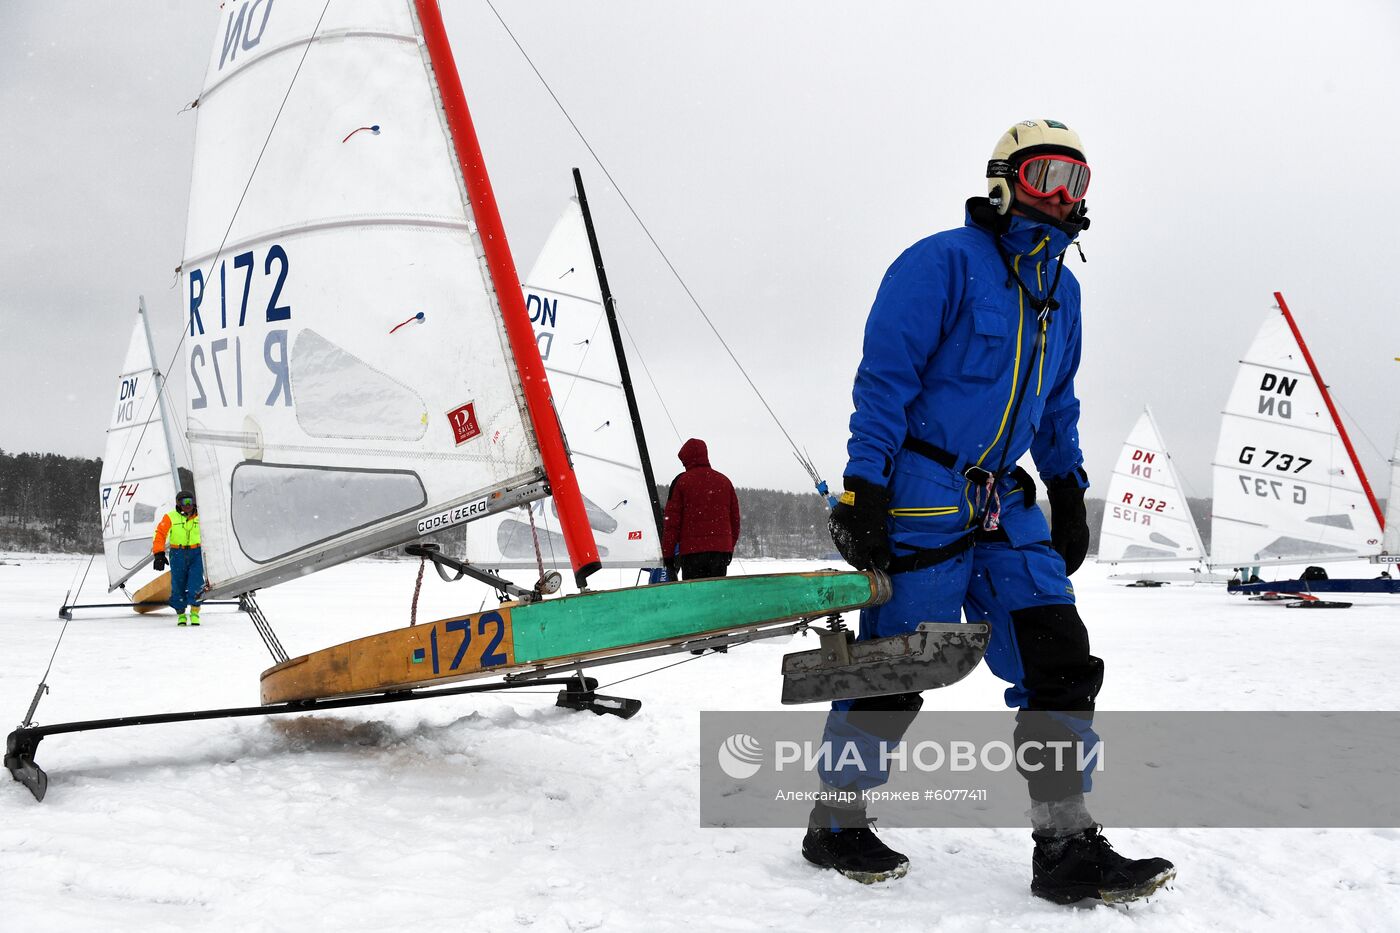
1038	645
186	576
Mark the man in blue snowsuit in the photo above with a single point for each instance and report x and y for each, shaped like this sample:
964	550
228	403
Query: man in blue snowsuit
970	354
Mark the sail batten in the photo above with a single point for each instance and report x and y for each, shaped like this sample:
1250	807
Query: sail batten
422	221
271	53
1322	431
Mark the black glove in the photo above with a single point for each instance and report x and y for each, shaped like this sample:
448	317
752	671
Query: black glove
857	525
673	569
1069	525
160	561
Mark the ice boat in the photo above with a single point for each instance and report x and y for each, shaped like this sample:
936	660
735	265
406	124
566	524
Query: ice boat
362	372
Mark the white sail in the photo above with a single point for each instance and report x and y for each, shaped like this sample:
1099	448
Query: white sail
1146	517
137	485
320	428
565	301
1390	541
1285	489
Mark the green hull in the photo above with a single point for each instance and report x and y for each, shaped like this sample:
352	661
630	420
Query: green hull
581	627
642	615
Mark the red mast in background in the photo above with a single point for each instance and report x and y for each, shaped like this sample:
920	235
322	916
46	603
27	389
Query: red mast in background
1332	409
563	484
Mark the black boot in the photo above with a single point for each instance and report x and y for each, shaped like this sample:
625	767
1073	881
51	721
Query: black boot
855	851
1066	869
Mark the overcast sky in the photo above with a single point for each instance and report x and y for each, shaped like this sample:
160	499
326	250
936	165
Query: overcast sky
783	153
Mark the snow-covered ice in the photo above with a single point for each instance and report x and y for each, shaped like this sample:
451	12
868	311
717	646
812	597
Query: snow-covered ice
501	812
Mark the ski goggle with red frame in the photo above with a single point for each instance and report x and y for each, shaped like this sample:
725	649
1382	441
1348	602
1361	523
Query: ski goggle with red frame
1044	175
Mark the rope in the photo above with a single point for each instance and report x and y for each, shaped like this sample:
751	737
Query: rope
417	588
539	558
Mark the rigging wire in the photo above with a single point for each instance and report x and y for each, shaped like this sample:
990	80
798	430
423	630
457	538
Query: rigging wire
85	573
646	369
72	595
661	252
583	360
43	687
1361	430
655	670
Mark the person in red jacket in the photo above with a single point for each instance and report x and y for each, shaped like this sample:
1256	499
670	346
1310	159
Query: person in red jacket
702	518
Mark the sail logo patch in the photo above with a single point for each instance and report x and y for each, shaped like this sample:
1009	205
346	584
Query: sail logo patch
463	421
634	536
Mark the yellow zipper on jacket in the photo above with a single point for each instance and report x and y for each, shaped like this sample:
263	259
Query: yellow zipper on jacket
1044	326
931	511
1015	365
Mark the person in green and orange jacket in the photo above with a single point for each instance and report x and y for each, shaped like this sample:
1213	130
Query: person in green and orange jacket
177	544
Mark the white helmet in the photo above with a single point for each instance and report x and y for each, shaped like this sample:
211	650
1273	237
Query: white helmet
1026	139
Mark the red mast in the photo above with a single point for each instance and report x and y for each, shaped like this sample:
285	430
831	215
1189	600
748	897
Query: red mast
1326	397
563	484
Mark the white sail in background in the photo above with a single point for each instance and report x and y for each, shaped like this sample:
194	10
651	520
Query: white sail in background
1146	517
1285	489
138	480
349	379
565	301
1390	541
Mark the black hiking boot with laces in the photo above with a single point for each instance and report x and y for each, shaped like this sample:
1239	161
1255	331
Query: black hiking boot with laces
855	851
1067	869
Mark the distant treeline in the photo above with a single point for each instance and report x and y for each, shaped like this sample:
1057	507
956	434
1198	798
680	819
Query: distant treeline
48	502
773	523
793	525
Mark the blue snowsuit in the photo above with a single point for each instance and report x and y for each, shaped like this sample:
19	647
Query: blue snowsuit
186	578
958	361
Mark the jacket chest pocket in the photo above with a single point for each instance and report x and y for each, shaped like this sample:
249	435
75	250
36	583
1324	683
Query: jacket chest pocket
987	346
